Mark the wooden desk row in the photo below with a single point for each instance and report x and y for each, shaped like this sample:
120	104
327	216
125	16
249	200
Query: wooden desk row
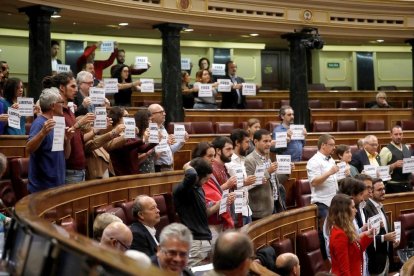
329	99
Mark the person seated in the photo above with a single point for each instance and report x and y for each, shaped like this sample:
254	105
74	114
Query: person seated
101	222
381	101
232	254
287	264
174	249
147	214
118	236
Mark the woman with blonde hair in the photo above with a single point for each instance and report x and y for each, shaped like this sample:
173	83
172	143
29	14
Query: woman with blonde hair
346	247
253	125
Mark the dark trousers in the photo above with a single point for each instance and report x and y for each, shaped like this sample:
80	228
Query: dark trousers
322	214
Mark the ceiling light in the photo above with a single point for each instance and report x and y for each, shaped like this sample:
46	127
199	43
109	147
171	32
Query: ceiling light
55	15
254	34
380	40
123	24
188	30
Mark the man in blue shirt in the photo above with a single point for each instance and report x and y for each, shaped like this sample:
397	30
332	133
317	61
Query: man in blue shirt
294	147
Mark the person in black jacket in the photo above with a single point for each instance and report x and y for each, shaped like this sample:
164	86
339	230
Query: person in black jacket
146	212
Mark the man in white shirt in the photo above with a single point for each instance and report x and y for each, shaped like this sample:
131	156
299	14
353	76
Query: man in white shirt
240	139
322	171
54	50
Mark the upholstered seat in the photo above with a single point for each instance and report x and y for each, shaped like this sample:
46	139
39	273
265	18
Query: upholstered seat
282	246
322	126
224	127
202	127
347	125
302	192
310	255
349	104
316	87
308	152
270	126
314	103
117	211
374	125
254	103
407	124
127	208
19	169
187	126
407	229
69	224
167	211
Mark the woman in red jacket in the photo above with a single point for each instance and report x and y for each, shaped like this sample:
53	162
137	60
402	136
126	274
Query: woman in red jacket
345	246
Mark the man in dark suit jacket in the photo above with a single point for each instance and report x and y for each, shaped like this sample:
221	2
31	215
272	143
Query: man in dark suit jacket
234	98
174	249
143	231
54	50
378	257
368	155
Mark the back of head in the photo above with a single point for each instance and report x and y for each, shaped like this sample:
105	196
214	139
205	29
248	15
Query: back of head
142	118
101	222
202	167
201	149
351	186
116	113
231	250
286	263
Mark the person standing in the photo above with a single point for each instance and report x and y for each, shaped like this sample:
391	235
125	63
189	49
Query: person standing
54	50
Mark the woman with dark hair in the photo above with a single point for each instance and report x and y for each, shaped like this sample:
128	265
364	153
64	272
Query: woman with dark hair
345	155
204	77
346	247
188	92
146	159
12	89
125	85
204	150
124	152
253	125
204	64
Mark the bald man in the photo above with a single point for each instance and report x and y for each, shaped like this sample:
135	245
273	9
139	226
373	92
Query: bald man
232	254
118	236
164	159
287	264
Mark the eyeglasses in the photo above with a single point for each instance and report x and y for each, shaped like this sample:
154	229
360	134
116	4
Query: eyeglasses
331	145
122	244
162	111
88	82
174	253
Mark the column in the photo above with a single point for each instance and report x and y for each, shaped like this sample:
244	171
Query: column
298	95
411	42
171	71
39	46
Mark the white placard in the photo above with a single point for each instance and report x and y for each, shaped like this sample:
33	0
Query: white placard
14	117
297	132
141	63
397	229
62	68
223	202
111	86
179	133
283	164
374	222
185	64
408	165
239	201
281	140
71	106
249	89
162	146
218	69
147	85
384	173
224	85
205	90
100	117
107	46
25	106
97	95
58	133
153	133
238	172
129	127
370	170
341	172
259	173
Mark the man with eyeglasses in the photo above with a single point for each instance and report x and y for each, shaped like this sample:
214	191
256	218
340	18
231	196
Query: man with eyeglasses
378	260
174	248
321	169
164	159
82	100
393	155
118	236
368	155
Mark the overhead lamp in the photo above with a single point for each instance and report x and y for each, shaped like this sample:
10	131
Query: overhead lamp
123	24
188	30
380	40
55	15
254	34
